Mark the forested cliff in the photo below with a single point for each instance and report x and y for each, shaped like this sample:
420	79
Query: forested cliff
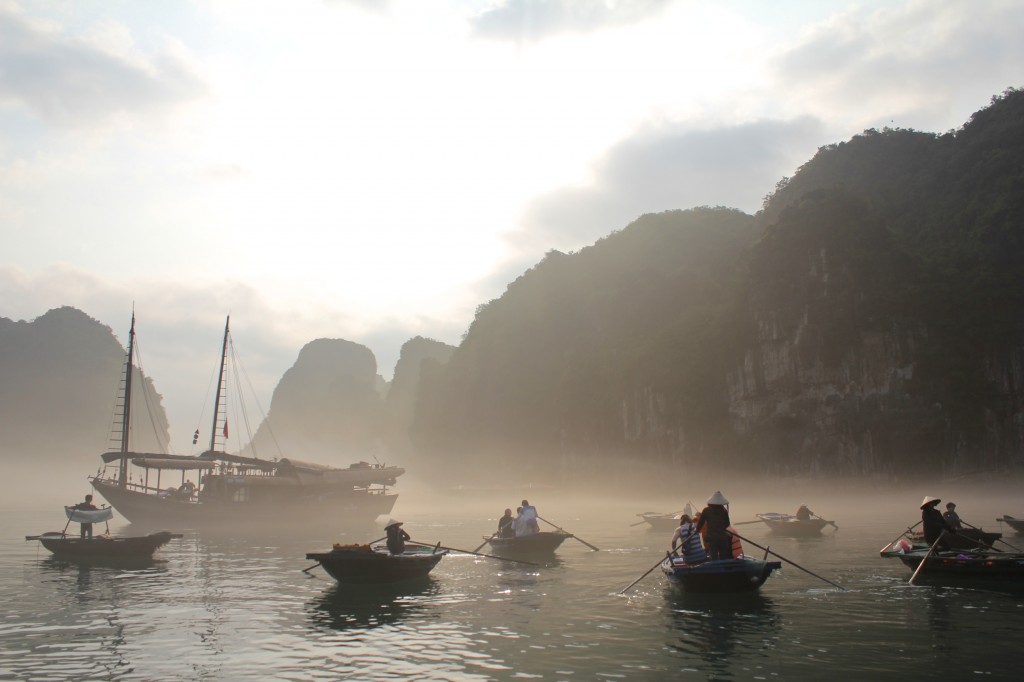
867	318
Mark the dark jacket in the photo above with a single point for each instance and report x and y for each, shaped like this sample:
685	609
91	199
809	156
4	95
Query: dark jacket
715	517
934	524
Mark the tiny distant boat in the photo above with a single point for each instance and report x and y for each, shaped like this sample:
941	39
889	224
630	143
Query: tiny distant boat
545	542
790	526
986	569
660	522
362	564
1012	522
100	547
744	574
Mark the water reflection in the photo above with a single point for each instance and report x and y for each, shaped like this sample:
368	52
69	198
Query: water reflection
346	607
714	626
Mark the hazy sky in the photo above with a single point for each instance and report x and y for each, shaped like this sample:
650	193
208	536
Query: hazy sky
375	170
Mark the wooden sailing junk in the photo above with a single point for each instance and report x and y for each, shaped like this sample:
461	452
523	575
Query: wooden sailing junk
233	490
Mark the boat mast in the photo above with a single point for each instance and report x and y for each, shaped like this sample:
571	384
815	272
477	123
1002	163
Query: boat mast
218	406
126	416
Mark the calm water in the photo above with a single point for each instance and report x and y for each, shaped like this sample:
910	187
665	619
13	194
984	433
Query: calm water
222	607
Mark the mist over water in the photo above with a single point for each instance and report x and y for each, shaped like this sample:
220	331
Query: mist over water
225	606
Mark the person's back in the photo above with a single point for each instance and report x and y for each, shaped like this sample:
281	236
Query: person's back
396	537
526	522
803	513
87	505
686	534
715	517
506	525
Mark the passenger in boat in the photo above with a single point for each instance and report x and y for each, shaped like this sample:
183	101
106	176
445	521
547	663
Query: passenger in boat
803	513
715	517
86	506
686	534
506	525
396	537
934	524
526	521
951	517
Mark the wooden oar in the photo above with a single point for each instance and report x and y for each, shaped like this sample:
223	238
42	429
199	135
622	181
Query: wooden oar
931	550
827	522
485	542
466	551
668	555
568	533
788	561
1016	549
908	530
307	570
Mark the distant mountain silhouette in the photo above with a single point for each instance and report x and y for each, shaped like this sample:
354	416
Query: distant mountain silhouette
61	375
327	408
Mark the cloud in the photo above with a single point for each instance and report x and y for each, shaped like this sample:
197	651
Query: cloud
72	82
664	167
911	65
536	20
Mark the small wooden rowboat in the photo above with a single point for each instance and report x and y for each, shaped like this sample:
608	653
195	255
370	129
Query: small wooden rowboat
727	575
363	564
545	542
660	522
1012	522
792	527
965	538
103	547
985	569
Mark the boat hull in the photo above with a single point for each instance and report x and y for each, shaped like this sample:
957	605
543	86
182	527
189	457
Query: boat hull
795	528
1014	523
545	542
105	548
986	571
716	577
660	522
376	567
966	538
292	507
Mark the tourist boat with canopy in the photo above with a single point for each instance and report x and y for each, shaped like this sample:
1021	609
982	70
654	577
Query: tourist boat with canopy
103	547
232	490
363	564
742	574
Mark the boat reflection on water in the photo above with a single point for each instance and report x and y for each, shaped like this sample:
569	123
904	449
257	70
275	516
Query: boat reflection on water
713	626
360	607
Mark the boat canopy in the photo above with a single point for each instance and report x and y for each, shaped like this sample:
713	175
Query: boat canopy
177	464
89	515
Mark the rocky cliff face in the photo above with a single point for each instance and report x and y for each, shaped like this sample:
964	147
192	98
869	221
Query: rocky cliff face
326	408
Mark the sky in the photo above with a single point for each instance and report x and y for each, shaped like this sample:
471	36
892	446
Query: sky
375	170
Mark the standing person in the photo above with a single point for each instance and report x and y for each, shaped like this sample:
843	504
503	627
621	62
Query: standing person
86	506
686	534
715	517
506	525
934	524
396	537
526	522
952	518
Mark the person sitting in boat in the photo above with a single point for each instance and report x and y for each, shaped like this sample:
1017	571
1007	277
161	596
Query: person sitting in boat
396	537
686	534
86	530
934	524
803	513
952	518
715	517
506	525
526	522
